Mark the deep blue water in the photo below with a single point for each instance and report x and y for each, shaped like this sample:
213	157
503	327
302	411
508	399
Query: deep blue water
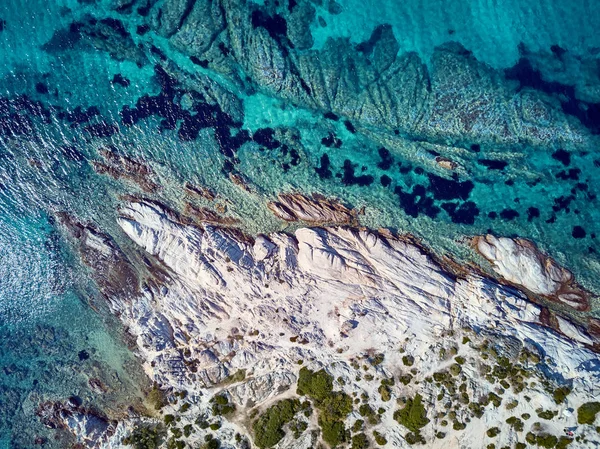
80	76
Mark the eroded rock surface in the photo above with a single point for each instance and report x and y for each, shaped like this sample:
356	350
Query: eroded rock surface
239	316
522	264
318	209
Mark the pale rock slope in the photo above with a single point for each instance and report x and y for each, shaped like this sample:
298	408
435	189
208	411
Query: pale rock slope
333	298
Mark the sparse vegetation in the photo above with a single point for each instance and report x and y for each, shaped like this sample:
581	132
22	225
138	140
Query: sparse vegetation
221	405
379	438
408	360
156	398
360	441
236	377
145	437
333	406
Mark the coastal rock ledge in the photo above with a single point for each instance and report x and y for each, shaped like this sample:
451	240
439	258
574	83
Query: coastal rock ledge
227	325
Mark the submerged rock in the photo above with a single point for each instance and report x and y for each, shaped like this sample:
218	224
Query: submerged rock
318	209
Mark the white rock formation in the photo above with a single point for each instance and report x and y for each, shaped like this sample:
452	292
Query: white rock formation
328	297
521	263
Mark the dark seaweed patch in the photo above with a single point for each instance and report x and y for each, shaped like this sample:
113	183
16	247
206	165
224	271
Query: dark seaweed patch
265	137
72	153
349	126
276	26
41	88
323	170
562	156
116	25
79	115
532	212
331	141
446	189
587	113
101	130
158	52
572	173
464	213
201	62
120	80
509	214
563	203
491	164
142	29
475	148
349	178
386	159
2	25
331	116
578	232
417	202
385	180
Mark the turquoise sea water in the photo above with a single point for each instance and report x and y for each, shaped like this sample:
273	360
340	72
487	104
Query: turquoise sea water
59	59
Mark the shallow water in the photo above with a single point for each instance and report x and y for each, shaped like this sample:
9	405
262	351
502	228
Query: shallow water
46	164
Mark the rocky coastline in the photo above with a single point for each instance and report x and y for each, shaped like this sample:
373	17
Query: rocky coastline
216	313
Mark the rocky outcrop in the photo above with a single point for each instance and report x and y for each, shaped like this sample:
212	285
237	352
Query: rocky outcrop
123	167
89	427
238	316
316	209
519	262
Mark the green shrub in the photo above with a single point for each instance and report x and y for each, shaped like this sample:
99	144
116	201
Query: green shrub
367	411
298	428
317	385
414	438
187	430
547	441
377	359
493	432
516	423
563	442
405	379
156	398
333	431
460	360
268	428
385	392
175	444
185	407
408	360
221	405
546	414
169	419
379	438
413	416
145	437
360	441
215	426
455	369
586	413
358	425
236	377
458	425
560	394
